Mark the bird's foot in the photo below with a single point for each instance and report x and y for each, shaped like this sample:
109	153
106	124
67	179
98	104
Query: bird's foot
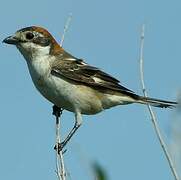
57	111
59	147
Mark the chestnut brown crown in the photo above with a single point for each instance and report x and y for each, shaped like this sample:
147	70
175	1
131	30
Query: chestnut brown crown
37	35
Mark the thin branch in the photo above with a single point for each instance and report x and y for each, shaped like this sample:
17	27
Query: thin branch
67	24
60	167
152	114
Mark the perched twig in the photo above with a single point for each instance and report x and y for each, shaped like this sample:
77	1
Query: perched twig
67	24
60	167
152	114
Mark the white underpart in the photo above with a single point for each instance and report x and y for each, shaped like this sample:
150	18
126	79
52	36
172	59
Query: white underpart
73	97
111	100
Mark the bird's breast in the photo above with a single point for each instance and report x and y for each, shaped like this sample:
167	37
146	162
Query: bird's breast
62	92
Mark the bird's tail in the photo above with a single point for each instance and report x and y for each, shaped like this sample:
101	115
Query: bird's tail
156	102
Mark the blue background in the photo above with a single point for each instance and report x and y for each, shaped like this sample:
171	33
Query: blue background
107	35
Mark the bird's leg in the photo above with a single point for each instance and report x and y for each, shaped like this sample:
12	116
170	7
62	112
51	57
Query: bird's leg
78	122
57	112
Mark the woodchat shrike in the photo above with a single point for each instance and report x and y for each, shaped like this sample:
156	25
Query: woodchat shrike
69	82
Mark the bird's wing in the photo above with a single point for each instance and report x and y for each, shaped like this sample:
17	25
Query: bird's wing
77	70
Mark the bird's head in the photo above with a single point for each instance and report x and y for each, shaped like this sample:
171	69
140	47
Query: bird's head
34	41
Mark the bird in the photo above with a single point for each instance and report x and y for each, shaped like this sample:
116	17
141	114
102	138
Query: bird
69	82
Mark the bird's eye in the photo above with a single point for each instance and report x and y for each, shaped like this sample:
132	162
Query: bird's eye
29	35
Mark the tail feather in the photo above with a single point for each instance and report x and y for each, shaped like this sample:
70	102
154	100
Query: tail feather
156	102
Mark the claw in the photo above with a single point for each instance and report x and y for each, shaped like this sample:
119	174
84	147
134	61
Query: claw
57	111
59	147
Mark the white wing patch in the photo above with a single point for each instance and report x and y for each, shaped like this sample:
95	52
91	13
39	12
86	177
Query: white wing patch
97	80
70	59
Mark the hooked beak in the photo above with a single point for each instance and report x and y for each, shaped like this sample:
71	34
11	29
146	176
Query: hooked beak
11	40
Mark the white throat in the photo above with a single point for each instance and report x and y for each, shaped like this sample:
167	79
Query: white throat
33	52
38	60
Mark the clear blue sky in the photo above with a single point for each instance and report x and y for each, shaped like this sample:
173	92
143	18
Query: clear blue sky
106	34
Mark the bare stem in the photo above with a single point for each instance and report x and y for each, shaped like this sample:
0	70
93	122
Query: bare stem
152	114
67	24
60	167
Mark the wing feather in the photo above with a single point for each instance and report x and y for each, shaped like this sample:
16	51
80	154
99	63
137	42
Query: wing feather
81	72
